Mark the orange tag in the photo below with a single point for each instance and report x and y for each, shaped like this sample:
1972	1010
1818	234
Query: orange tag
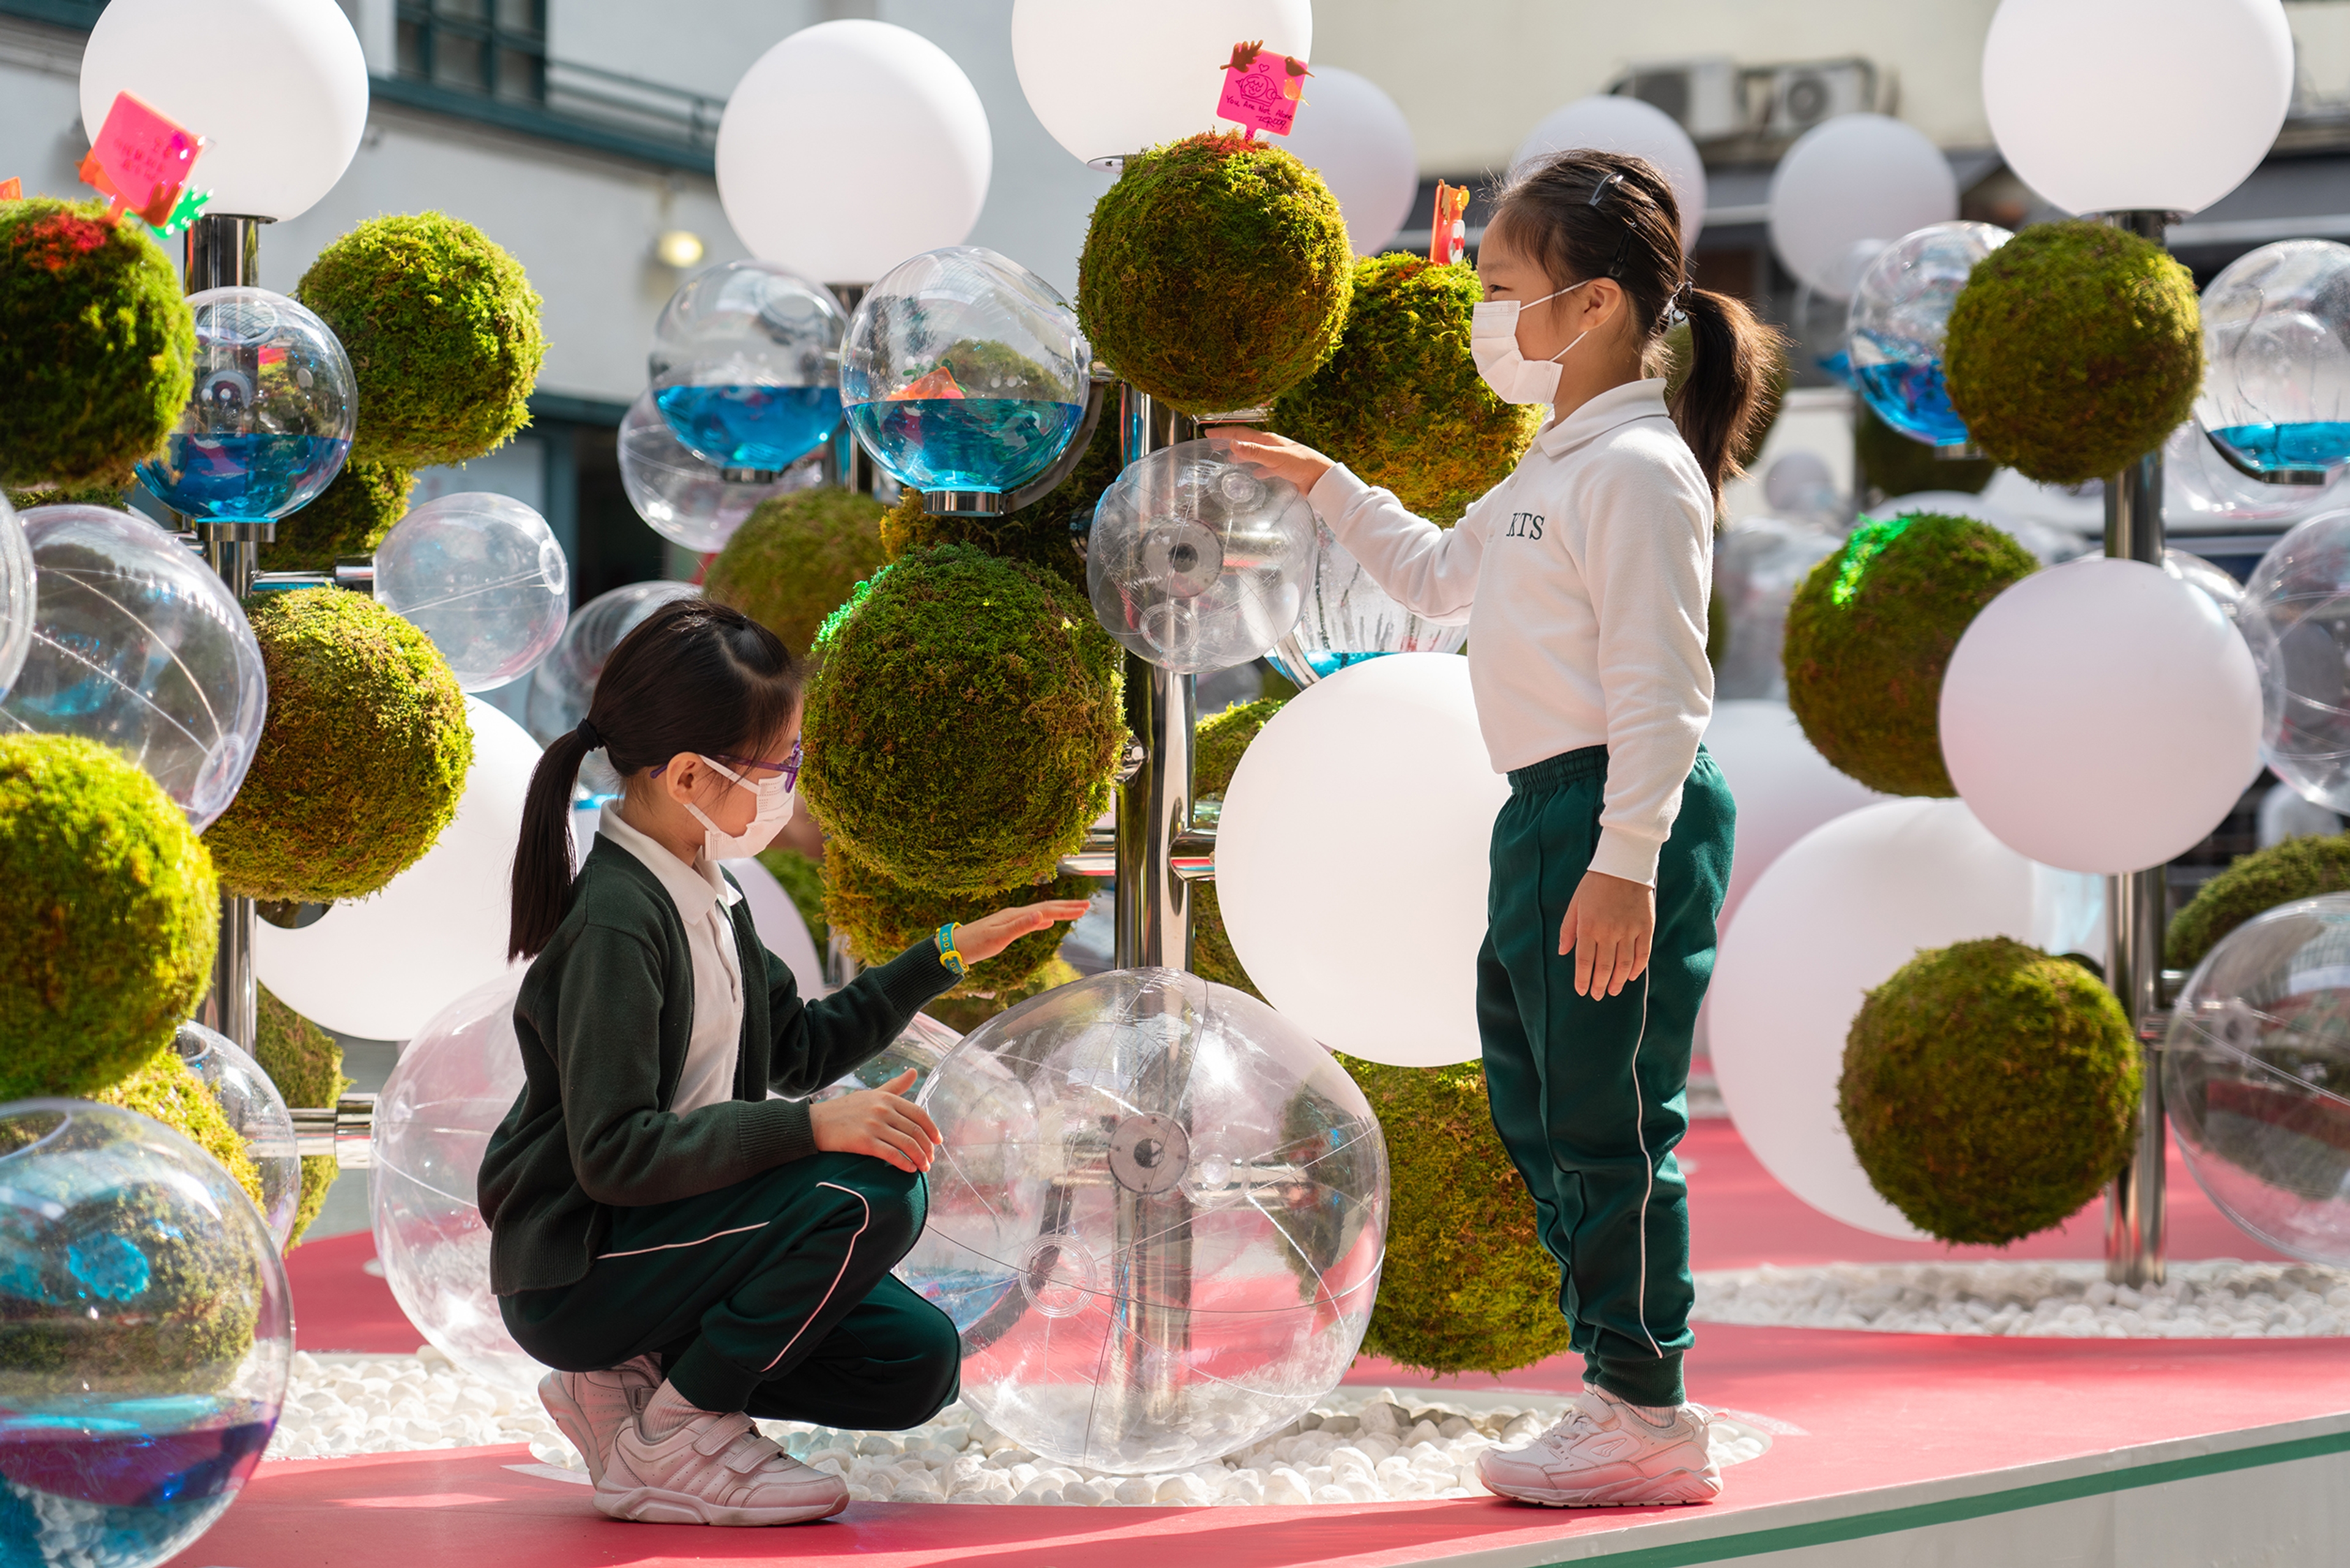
1261	91
1447	235
940	383
140	161
12	189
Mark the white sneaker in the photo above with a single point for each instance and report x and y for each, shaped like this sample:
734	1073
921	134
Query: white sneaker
590	1408
714	1469
1605	1454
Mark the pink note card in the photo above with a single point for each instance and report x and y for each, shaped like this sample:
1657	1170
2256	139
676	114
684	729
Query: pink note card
143	152
1262	90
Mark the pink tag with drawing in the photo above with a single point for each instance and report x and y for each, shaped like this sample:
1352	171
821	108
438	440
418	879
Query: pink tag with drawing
145	158
1262	91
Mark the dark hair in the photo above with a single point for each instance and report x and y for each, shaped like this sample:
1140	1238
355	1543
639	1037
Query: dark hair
695	676
1586	214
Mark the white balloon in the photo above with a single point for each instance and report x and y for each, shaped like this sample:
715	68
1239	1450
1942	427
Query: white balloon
1611	123
1857	177
2107	106
1782	785
1351	859
1351	133
782	928
277	88
2058	688
1109	80
382	966
854	106
1833	917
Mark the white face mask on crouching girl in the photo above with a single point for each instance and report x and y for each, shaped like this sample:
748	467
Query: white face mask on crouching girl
775	798
1494	345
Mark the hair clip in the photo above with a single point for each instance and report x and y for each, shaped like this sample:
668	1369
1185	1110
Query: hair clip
1601	189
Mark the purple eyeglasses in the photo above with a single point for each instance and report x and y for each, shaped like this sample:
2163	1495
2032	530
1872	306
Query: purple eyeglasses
789	768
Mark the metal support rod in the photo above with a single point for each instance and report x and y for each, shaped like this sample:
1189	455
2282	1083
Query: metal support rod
1154	915
222	251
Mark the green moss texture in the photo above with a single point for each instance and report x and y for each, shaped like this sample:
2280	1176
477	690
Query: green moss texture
2073	351
1990	1090
307	1065
1869	634
1673	348
1216	274
167	1090
97	345
2253	885
1039	533
795	559
363	758
442	331
97	493
112	917
803	881
1890	464
350	517
881	918
1216	747
965	725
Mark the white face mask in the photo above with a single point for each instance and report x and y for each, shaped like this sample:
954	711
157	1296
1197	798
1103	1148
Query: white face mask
775	801
1494	345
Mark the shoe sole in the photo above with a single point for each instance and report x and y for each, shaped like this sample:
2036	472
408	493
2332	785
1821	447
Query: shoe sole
652	1505
1677	1488
572	1422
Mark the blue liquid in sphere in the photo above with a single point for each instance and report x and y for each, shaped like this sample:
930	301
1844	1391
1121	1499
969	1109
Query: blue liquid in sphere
100	1486
762	428
242	476
2305	444
1838	366
1327	663
990	444
1909	395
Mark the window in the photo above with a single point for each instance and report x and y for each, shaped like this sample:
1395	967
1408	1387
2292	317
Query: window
494	47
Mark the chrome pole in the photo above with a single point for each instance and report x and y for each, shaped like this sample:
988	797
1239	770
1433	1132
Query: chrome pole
1154	804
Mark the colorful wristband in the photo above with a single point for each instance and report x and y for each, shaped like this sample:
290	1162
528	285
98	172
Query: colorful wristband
947	953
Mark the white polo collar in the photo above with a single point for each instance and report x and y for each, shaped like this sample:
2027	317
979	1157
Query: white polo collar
1616	406
694	889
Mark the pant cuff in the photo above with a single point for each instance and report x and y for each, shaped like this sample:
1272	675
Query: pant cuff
709	1380
1652	1380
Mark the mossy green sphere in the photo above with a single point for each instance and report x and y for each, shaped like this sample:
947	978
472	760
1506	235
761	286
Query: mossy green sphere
1890	464
350	517
97	493
1216	747
965	725
442	331
98	346
114	916
1401	401
2073	351
1039	533
165	1089
1468	1286
963	1011
1216	274
881	918
1870	635
794	560
1990	1090
307	1065
361	760
2253	885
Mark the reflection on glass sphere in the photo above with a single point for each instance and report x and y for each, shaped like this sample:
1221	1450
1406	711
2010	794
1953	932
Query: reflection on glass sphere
922	1045
745	365
1156	1220
256	1112
1348	617
2215	584
145	1333
1901	311
564	680
2256	1075
1197	560
270	420
963	371
2201	489
2296	619
137	645
685	498
2276	342
17	596
1757	566
481	576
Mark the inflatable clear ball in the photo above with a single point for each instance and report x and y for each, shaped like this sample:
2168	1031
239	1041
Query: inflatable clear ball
1157	1221
2201	489
746	365
2213	581
1900	313
256	1112
1198	560
684	497
965	371
481	576
270	419
145	1334
2256	1075
17	596
2296	618
564	680
1348	618
1758	564
139	645
2276	343
923	1045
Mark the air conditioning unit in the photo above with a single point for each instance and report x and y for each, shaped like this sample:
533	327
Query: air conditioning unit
1794	99
1703	94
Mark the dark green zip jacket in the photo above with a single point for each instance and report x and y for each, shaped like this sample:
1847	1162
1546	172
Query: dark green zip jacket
604	1017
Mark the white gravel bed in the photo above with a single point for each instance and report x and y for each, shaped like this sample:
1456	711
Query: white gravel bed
2222	1299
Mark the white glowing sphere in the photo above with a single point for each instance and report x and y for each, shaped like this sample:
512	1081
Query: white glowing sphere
1351	133
1854	178
1112	80
1609	122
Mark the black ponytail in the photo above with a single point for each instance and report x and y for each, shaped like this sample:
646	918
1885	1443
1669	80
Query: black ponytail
695	676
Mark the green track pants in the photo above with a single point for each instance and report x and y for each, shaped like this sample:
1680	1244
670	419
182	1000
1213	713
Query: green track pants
1589	1094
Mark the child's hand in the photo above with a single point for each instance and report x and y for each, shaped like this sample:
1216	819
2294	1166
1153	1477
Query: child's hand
1608	926
1293	461
879	1122
986	938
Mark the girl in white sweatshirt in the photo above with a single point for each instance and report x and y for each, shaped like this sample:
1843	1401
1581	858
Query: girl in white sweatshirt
1586	575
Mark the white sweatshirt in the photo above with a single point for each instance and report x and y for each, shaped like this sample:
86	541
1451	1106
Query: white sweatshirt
1589	568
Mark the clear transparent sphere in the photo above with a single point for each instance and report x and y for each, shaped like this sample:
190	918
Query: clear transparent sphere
2256	1075
746	365
1348	617
144	1342
924	1044
2214	582
2276	347
137	645
481	576
270	419
2295	618
1198	561
685	498
564	680
2203	489
17	595
963	371
1900	313
1157	1222
1758	564
256	1112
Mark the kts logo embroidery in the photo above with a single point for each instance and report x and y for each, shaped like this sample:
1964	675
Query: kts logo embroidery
1524	525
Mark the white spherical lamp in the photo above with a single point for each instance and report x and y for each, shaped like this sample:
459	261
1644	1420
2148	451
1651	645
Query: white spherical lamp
277	88
1857	177
2108	106
850	146
1782	785
1352	134
1612	123
1109	79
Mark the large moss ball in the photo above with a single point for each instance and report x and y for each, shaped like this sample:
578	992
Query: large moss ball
307	1065
1468	1286
97	345
350	517
112	917
1990	1090
794	560
964	727
1042	534
2253	885
1886	463
1401	401
442	331
1216	747
164	1088
1870	635
1215	273
2073	351
361	760
882	918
